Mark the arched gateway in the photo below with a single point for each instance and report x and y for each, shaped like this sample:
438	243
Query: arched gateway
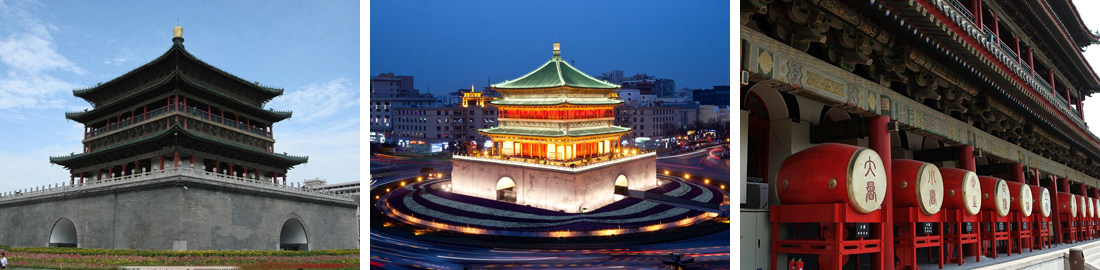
293	236
63	233
506	190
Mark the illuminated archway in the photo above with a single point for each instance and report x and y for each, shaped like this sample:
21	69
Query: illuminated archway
63	233
621	185
506	190
293	236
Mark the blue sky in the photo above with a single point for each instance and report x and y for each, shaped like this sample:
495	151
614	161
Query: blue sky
448	45
49	48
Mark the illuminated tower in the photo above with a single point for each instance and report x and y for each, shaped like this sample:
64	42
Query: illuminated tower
556	145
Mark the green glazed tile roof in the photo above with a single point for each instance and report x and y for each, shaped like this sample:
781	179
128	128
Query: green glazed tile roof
510	101
555	73
554	132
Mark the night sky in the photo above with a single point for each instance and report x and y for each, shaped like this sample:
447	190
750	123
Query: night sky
449	45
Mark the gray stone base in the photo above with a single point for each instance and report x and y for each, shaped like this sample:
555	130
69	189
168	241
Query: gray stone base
553	189
180	213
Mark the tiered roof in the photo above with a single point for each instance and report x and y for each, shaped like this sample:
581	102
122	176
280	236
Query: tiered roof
166	69
555	73
564	85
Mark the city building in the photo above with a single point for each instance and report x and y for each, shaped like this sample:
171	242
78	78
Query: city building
714	113
615	76
658	124
556	146
350	189
389	92
450	129
177	154
646	84
719	95
971	87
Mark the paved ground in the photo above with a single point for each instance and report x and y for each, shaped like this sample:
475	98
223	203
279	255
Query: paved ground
391	249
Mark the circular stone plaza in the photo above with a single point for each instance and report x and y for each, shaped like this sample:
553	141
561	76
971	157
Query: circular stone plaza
556	170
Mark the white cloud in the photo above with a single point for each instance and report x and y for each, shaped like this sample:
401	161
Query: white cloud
319	100
28	54
333	149
116	61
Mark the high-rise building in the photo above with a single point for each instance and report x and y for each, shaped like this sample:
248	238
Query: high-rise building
719	95
389	92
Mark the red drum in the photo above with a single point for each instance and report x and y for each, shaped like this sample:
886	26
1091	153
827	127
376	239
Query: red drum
995	195
1022	199
833	173
963	191
1083	205
1042	200
1091	208
1067	204
917	184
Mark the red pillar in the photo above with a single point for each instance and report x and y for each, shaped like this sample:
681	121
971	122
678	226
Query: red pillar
176	158
966	162
1056	227
1081	107
72	179
123	171
966	158
81	178
284	178
1050	79
110	172
879	141
976	6
162	162
1017	173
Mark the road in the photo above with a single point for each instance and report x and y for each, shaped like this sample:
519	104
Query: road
709	252
700	163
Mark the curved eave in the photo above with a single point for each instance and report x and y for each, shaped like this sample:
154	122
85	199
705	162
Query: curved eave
1083	37
269	92
554	73
287	159
84	93
84	116
553	133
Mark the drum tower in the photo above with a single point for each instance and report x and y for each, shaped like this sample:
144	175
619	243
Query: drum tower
556	146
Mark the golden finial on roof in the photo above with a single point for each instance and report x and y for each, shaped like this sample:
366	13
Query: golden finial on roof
178	31
557	49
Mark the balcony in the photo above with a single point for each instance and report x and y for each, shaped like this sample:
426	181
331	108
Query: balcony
575	165
1002	52
155	113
